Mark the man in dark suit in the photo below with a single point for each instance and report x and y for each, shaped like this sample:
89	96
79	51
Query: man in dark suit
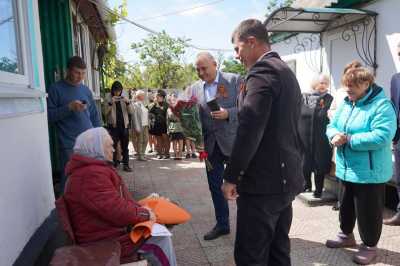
264	173
219	128
395	96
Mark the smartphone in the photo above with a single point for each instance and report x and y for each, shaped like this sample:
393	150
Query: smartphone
213	105
83	102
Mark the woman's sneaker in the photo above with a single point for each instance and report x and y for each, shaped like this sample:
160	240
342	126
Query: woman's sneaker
342	241
365	255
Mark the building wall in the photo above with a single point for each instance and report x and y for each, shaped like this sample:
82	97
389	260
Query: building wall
26	191
337	52
25	184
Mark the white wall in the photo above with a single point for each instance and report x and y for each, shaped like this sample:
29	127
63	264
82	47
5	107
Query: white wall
305	61
388	38
337	52
26	191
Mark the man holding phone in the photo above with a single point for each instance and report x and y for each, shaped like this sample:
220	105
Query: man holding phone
71	109
218	114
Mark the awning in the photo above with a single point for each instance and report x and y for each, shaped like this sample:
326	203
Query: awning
354	24
313	20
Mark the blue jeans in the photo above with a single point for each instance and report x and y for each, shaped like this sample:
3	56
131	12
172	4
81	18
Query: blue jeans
215	180
65	155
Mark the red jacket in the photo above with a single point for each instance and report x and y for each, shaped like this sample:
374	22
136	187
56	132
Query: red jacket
99	204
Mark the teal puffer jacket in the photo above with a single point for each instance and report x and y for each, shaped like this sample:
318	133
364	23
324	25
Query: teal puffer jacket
370	124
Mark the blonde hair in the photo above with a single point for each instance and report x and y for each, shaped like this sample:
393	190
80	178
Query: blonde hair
355	74
316	80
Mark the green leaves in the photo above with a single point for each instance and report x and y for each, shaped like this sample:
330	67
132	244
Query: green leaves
161	55
233	66
275	4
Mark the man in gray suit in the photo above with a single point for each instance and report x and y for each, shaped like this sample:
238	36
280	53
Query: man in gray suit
219	130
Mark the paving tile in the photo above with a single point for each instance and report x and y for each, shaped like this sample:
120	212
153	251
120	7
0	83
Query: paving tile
186	183
218	253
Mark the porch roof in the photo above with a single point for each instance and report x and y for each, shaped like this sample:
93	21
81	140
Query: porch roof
313	20
95	16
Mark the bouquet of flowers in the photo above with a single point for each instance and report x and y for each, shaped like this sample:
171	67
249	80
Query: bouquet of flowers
187	109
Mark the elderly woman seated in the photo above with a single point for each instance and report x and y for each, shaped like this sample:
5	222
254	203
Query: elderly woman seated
100	205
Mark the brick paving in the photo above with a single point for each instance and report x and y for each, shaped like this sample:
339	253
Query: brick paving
185	182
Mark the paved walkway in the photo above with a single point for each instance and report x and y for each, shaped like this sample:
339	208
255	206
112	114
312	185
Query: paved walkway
185	182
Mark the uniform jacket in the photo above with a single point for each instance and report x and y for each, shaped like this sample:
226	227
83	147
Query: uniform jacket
267	154
220	131
370	124
99	203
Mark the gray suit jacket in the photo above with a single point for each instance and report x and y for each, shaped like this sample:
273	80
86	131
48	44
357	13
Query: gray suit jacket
222	132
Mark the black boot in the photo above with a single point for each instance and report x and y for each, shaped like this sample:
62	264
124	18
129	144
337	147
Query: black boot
127	168
215	233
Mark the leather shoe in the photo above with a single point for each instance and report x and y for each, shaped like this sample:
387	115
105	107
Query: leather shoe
215	233
342	241
395	220
127	168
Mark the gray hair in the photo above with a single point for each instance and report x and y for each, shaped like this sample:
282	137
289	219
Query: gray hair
317	78
207	55
90	143
251	27
140	92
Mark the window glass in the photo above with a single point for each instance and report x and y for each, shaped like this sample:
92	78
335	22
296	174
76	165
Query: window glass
9	51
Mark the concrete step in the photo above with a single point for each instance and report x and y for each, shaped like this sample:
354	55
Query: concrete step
310	200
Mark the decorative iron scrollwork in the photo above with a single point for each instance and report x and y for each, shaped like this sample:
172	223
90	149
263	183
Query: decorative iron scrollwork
308	44
316	18
364	44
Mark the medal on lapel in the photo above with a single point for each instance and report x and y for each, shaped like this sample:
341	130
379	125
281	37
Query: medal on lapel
322	103
242	87
221	91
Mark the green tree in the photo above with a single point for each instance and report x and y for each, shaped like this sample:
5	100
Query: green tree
8	65
188	75
275	4
231	65
162	57
113	66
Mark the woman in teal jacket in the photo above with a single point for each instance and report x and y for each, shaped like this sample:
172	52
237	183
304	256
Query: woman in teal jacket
362	130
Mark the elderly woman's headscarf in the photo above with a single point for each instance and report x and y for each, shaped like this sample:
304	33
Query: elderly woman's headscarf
91	143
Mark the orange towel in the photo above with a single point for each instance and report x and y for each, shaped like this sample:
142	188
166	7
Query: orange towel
141	230
166	213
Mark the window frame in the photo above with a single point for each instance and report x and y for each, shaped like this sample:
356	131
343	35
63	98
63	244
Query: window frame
82	48
19	80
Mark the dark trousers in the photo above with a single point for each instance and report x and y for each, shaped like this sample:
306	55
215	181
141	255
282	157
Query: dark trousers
318	177
218	160
364	203
65	155
262	234
121	135
396	153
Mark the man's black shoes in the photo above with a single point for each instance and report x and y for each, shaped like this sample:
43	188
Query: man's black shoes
127	168
215	233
